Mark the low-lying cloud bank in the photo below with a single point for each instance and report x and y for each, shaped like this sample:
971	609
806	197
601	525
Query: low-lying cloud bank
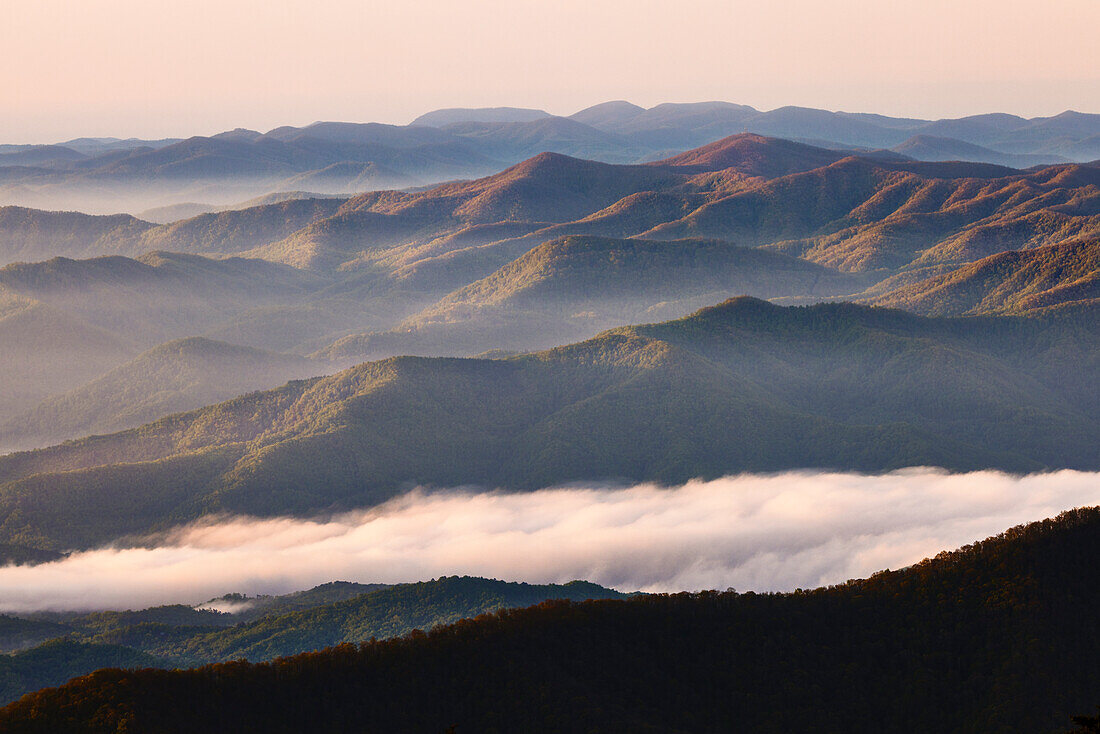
764	533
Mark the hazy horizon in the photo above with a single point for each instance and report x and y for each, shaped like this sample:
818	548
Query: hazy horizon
560	113
128	69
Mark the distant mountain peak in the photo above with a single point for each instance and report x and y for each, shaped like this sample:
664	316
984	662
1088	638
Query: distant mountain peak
239	133
612	113
755	155
545	163
447	116
735	307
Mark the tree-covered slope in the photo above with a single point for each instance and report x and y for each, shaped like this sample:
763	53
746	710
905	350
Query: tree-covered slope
54	647
1011	282
860	214
179	375
237	230
58	661
998	636
106	174
159	296
573	287
869	213
857	214
31	234
388	612
67	323
745	386
44	350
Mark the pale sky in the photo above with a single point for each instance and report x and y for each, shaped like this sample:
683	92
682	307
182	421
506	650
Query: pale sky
156	68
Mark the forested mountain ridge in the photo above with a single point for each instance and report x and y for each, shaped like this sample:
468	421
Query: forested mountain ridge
31	235
1010	282
549	251
600	240
65	324
571	287
744	386
559	194
951	645
179	375
870	216
51	648
387	612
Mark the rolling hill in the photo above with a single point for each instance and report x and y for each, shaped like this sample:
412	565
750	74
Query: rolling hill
442	118
30	234
997	636
744	386
852	213
933	148
858	214
241	164
55	662
1011	282
46	350
236	230
746	189
855	213
574	287
159	296
383	613
474	265
65	324
170	378
335	613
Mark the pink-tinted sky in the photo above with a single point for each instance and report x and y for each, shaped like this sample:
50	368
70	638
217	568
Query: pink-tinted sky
155	68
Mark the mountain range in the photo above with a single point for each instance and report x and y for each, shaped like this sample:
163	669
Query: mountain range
552	250
319	319
109	176
66	324
178	375
743	386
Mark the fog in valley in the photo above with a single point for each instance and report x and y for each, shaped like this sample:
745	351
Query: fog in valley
752	532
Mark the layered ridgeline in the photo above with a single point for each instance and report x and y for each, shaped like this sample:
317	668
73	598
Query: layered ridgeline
66	645
88	338
173	377
744	386
998	636
549	251
342	158
745	189
855	214
1065	275
30	234
569	288
869	212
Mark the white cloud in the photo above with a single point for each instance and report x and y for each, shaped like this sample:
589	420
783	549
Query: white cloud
759	532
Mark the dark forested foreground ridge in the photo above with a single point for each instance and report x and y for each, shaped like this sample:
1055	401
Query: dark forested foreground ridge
260	629
743	386
1000	636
